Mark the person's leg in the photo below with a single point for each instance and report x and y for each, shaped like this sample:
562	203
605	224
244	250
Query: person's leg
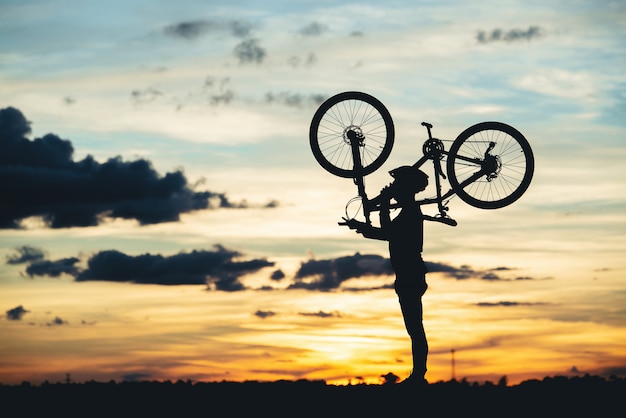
412	313
410	290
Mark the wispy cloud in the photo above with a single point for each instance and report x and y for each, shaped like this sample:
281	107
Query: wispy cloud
193	29
507	304
321	314
313	29
466	272
294	99
145	96
250	51
330	273
26	254
509	35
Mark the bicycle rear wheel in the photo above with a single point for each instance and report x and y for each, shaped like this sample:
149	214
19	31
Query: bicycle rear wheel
505	157
351	111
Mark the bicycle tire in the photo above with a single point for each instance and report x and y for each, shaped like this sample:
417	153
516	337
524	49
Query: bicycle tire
357	111
512	173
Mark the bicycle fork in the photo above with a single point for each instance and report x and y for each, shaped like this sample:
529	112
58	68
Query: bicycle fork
356	141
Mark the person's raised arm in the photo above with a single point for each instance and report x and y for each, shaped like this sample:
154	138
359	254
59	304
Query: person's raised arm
365	229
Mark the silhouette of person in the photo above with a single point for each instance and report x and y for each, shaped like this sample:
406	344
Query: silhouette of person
405	234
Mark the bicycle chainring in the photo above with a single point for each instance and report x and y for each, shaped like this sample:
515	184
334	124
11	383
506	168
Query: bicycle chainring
433	148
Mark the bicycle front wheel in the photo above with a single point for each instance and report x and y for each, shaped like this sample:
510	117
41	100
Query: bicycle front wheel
502	155
357	112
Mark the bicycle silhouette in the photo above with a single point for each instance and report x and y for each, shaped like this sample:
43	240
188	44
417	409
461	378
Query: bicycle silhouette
489	165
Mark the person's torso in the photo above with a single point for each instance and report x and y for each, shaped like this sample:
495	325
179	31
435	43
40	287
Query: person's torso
406	234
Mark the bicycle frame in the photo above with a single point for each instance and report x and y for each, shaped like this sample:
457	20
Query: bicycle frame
433	150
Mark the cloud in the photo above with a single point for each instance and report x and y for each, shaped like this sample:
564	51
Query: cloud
465	272
145	96
277	275
188	30
219	268
511	35
264	314
16	313
313	29
294	99
249	51
295	61
53	268
39	178
197	267
57	321
321	314
26	254
218	91
39	266
329	274
193	29
507	304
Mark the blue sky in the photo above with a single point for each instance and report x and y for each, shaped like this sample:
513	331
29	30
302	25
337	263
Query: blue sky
224	93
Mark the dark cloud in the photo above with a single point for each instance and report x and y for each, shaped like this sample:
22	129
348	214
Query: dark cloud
220	268
294	99
466	272
57	321
196	28
313	29
512	35
53	268
322	314
39	178
329	274
277	275
188	30
264	314
217	267
26	254
507	304
16	313
249	51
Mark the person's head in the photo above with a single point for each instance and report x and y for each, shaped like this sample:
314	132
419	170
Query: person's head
408	181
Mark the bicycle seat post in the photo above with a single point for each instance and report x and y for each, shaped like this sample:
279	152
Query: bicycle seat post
428	128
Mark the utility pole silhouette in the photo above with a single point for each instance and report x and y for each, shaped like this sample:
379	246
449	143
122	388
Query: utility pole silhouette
453	365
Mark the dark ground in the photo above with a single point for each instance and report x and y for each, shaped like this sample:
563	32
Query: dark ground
587	396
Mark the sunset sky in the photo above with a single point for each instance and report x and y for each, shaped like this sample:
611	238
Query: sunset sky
163	217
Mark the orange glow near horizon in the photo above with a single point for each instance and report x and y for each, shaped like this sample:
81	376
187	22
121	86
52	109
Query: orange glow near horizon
171	333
